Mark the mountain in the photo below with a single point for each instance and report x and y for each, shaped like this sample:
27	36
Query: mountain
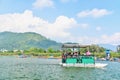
108	46
11	41
27	40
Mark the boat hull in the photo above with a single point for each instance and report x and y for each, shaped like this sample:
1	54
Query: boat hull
96	65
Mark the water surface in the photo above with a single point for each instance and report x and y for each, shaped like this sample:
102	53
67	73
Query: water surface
12	68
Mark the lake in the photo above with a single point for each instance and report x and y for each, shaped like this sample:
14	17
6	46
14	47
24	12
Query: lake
12	68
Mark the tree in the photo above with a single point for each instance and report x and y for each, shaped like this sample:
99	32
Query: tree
50	50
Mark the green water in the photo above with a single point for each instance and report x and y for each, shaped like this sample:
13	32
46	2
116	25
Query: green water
12	68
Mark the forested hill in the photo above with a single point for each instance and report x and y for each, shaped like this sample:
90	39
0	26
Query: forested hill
11	41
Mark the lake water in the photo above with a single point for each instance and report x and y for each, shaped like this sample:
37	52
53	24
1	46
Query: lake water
12	68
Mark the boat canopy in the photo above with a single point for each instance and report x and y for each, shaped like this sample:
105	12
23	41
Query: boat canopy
74	46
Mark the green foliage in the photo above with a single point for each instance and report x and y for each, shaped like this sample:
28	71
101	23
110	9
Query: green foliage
100	55
113	54
51	50
55	53
96	49
24	41
37	45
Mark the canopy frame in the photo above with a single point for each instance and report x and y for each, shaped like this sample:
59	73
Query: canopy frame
74	46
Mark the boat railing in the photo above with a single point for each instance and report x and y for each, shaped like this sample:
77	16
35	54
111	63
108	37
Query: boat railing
79	59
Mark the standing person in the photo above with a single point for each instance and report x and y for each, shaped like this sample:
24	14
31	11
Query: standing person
88	53
63	58
107	54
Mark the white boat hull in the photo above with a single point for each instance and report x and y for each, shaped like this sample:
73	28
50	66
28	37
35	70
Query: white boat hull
97	65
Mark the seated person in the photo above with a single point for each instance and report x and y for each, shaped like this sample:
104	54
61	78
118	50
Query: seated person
88	53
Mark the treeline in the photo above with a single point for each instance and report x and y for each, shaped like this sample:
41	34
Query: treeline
33	52
94	49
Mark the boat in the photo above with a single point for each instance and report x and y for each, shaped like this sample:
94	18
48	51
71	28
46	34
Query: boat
96	65
71	57
22	56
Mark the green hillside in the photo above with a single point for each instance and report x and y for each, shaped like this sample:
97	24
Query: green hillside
11	41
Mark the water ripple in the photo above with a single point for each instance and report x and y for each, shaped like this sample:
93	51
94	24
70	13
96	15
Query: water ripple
12	68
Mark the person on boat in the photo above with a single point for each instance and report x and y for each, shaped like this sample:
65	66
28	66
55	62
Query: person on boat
63	58
88	53
79	53
75	54
108	54
69	55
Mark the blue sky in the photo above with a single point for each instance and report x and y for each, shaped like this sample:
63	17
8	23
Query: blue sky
82	21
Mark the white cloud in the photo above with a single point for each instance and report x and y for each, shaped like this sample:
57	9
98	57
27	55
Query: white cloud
84	25
59	29
98	28
94	13
113	39
65	1
104	39
26	22
43	3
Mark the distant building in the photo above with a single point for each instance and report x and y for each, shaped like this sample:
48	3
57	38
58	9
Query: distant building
118	48
3	50
15	50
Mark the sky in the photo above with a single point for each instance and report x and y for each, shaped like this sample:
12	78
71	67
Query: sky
77	21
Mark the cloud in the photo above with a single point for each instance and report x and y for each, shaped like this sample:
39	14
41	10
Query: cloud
94	13
84	25
27	22
98	28
58	30
112	39
104	39
43	4
65	1
85	40
60	26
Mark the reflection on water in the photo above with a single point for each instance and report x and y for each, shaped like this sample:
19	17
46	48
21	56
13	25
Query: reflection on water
12	68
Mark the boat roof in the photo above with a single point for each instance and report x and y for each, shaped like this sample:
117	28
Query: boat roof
74	46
